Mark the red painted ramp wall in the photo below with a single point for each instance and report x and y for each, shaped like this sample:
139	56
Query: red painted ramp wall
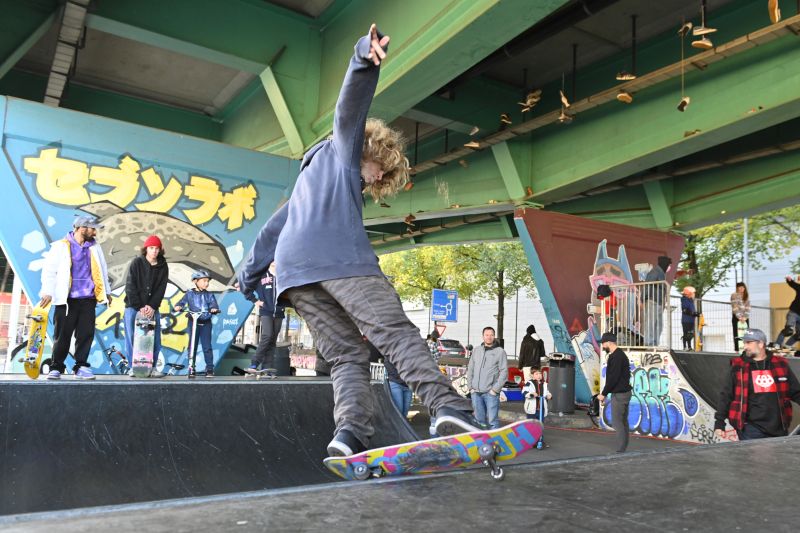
570	256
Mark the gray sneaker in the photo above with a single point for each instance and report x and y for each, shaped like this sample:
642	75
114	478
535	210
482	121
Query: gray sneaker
84	372
54	375
156	374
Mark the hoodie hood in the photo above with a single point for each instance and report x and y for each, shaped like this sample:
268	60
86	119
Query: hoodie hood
664	262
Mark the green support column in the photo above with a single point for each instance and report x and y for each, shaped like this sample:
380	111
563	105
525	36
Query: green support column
9	62
658	203
508	170
282	112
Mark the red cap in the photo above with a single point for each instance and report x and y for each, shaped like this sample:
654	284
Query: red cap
152	240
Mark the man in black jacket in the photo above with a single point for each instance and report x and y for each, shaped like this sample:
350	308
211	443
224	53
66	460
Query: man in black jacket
618	384
531	351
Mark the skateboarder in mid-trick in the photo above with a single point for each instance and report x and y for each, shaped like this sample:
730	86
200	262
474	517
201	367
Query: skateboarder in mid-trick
329	272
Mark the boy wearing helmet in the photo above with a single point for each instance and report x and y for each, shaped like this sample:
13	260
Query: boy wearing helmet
201	301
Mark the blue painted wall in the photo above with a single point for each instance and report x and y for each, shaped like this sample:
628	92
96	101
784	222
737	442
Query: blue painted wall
206	201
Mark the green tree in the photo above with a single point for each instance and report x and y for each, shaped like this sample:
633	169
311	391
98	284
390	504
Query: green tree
492	270
415	273
500	269
712	252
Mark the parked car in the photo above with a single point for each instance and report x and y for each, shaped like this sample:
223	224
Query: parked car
450	348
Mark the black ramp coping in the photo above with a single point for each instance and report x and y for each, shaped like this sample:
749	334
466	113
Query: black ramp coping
78	444
744	486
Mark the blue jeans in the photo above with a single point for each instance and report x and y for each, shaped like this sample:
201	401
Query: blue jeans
792	321
401	396
129	321
751	432
487	409
203	339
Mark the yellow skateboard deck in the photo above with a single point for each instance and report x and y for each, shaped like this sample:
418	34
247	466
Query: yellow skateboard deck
37	332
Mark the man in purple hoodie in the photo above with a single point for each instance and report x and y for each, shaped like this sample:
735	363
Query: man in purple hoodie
328	270
74	280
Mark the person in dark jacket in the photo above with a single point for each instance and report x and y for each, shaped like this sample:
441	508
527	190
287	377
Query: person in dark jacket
200	301
791	331
758	392
654	296
328	270
688	315
145	285
618	385
271	315
531	351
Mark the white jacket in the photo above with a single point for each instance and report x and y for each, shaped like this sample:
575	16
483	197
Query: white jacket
531	406
57	272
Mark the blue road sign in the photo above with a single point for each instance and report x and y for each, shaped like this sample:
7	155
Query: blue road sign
444	305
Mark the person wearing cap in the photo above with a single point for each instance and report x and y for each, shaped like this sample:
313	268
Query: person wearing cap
618	385
74	280
757	395
145	285
201	301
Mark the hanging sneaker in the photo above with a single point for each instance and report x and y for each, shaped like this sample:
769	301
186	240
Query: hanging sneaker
505	119
774	11
699	31
84	372
472	144
624	97
685	101
685	29
54	375
564	100
703	44
625	76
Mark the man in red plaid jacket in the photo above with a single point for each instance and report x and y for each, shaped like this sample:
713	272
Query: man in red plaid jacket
757	397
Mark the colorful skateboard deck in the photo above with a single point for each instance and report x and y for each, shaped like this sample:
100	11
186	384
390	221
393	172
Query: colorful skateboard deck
441	454
32	362
143	344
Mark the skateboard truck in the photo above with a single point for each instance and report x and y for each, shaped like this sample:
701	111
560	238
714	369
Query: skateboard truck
487	453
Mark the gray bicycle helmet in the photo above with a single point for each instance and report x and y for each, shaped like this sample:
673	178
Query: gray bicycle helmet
200	274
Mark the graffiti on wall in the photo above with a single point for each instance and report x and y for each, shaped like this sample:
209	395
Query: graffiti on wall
663	404
206	202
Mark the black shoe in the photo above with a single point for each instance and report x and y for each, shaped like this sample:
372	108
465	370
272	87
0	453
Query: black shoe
451	421
210	373
192	373
345	443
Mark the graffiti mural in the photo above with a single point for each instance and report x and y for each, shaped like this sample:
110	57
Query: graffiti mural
205	200
565	251
663	404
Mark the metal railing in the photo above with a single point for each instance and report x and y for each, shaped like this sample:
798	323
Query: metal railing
717	333
638	314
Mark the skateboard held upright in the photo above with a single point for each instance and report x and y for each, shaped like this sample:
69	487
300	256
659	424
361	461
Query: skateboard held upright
37	332
441	454
143	344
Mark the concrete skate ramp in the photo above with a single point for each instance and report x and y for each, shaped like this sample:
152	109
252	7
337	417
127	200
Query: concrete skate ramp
705	372
71	444
722	487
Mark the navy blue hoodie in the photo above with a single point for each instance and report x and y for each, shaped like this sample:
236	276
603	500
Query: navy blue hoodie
319	234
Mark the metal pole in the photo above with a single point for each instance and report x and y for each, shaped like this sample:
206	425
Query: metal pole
516	326
469	316
746	261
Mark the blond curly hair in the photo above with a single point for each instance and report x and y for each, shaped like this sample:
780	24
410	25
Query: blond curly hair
387	147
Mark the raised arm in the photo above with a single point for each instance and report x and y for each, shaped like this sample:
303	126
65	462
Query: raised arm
263	251
355	97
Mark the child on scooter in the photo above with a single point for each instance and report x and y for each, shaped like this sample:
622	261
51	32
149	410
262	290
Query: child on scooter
200	301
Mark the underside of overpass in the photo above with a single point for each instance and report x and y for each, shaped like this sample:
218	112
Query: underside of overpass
265	75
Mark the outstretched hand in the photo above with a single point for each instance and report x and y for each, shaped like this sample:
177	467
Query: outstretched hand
376	46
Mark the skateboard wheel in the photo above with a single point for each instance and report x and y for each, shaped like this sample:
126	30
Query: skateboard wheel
498	474
361	472
486	452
